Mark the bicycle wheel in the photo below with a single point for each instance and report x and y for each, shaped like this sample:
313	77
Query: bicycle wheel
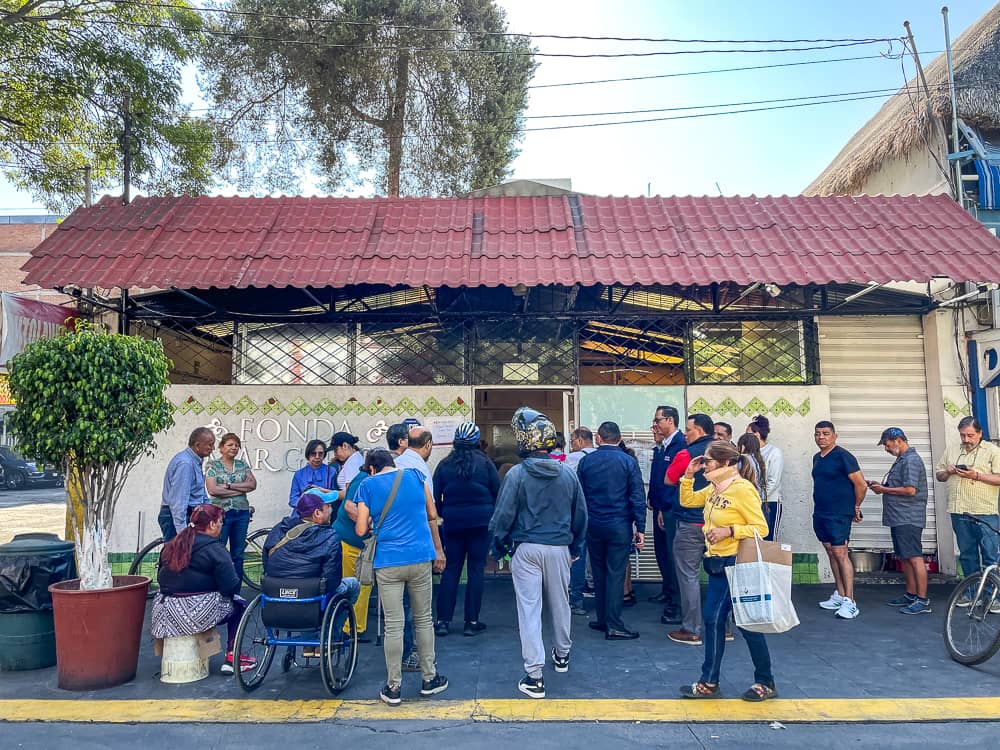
338	650
252	643
253	558
144	564
972	633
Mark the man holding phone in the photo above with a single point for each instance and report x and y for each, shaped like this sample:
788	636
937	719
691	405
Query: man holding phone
972	472
838	490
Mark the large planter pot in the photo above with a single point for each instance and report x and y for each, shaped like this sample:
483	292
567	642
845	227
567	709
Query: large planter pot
98	632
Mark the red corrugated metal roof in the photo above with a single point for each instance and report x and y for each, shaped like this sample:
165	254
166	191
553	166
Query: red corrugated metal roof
255	242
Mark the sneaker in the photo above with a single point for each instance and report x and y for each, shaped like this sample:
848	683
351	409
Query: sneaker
441	628
902	601
474	628
848	609
917	607
579	611
730	637
589	593
533	687
437	684
683	636
390	695
834	602
412	662
246	664
560	663
963	601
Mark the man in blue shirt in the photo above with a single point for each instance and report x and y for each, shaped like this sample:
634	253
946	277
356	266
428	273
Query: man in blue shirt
184	483
616	511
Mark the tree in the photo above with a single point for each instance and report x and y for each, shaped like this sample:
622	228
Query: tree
92	403
419	96
66	67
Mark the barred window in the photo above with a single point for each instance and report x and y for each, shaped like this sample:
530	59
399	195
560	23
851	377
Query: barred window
752	352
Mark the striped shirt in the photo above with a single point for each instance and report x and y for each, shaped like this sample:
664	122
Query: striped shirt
968	495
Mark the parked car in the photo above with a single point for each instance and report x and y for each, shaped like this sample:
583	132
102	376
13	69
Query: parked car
19	473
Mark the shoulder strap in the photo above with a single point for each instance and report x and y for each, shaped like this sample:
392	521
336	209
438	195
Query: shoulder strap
389	500
293	533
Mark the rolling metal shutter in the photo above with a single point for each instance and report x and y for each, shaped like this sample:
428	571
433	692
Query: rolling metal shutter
874	368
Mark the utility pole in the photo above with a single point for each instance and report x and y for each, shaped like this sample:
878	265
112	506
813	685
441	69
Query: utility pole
954	109
88	194
127	150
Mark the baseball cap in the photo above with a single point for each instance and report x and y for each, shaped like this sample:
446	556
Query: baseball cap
339	438
891	433
309	501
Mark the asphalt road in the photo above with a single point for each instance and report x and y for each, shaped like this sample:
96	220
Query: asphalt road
45	495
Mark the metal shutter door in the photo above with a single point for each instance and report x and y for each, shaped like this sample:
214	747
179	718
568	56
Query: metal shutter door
874	368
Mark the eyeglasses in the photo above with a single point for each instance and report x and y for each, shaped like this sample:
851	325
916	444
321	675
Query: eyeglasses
318	453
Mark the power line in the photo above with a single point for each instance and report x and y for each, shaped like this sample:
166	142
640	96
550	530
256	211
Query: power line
565	37
474	50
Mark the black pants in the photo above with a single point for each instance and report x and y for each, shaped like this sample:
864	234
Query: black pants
461	545
609	547
663	545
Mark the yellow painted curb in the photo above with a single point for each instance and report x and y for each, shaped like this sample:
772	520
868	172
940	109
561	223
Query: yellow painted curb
834	710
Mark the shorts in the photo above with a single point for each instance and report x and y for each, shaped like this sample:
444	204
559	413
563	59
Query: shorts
833	531
906	541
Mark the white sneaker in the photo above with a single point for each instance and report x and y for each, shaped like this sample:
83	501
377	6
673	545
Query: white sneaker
848	609
833	602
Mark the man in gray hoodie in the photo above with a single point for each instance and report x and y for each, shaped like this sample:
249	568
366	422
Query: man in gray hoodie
541	514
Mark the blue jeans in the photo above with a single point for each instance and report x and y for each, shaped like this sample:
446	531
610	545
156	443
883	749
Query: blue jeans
166	522
975	540
716	609
234	533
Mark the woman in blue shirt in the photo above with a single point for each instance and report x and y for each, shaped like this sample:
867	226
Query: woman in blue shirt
314	474
408	551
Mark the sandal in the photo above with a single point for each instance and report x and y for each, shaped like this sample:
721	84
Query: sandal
700	690
759	692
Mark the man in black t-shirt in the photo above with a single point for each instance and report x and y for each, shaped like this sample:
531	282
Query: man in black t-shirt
838	489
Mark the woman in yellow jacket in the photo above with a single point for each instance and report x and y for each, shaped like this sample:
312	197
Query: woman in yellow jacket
733	511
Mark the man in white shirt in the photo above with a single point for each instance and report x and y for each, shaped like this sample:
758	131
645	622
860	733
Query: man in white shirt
416	454
581	442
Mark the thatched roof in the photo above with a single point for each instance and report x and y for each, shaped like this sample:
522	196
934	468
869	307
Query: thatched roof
902	123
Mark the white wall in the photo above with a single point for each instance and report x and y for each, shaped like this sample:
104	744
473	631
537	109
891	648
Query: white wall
274	424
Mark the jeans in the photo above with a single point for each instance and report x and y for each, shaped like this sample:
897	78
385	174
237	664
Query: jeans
718	606
541	570
166	522
663	546
689	549
349	560
975	540
417	579
578	579
460	544
234	532
772	511
609	547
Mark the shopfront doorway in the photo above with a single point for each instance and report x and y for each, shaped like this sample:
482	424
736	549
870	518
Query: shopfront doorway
495	405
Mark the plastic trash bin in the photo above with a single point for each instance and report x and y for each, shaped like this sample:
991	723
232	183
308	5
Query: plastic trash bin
28	565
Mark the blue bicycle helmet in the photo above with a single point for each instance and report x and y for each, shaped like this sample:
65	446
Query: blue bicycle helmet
467	433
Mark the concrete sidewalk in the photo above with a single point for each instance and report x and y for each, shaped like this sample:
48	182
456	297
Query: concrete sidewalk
880	655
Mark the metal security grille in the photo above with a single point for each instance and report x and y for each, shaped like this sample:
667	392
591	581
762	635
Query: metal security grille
632	351
524	349
750	352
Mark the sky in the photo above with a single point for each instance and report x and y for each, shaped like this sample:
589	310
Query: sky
775	152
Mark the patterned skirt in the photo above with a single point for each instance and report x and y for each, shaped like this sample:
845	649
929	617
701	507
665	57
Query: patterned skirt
188	615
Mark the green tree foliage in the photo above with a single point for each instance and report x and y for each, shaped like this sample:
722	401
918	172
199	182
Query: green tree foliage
65	69
91	402
418	96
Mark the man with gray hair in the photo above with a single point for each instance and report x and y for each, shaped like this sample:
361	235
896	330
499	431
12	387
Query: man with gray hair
184	483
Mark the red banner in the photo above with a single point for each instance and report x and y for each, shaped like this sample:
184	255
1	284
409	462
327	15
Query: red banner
26	320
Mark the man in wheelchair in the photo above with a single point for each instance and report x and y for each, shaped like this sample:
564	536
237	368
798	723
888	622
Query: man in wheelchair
304	545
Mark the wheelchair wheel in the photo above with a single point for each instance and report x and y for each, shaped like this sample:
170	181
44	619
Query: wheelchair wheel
252	642
253	558
338	650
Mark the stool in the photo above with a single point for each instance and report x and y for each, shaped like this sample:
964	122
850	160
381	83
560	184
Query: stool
181	661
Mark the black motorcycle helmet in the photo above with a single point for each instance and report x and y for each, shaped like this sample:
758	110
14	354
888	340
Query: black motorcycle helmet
533	431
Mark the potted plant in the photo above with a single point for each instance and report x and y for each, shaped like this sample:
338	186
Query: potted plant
92	402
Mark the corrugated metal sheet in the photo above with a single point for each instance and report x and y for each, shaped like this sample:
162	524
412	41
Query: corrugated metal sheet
255	242
874	368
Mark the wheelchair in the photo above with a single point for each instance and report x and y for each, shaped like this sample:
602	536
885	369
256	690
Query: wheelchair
283	614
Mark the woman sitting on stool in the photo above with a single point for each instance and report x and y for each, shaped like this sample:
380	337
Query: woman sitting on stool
198	584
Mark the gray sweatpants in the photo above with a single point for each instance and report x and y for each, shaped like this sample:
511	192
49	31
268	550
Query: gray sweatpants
689	550
538	568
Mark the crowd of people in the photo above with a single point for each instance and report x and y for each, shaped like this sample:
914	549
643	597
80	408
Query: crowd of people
568	522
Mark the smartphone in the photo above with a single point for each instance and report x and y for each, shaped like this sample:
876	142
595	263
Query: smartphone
869	482
961	467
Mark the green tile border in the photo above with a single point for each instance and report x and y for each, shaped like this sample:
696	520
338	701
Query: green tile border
298	406
781	407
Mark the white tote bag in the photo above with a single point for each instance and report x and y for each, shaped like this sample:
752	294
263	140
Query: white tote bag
761	592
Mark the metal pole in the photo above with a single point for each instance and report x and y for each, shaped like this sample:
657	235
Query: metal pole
127	151
88	198
931	119
954	107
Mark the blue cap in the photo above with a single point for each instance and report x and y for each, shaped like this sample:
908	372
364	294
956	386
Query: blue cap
891	433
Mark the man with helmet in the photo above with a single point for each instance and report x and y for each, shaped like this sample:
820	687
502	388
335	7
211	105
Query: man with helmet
540	513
